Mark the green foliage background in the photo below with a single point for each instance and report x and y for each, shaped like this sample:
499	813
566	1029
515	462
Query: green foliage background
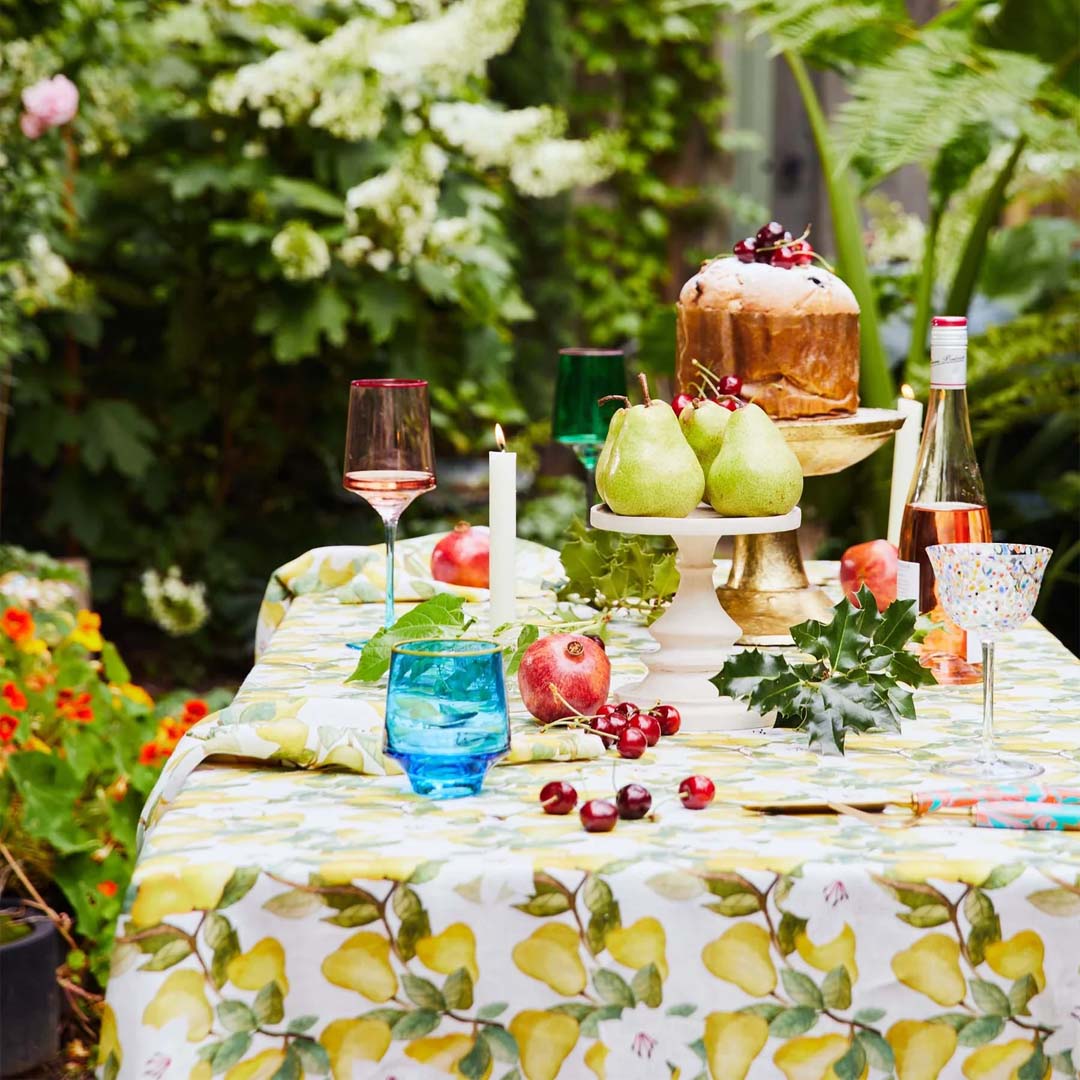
182	401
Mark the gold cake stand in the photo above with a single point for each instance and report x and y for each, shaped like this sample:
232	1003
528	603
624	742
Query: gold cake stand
768	591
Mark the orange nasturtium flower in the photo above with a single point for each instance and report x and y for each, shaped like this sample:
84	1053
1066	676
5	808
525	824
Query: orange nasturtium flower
17	624
87	630
195	710
8	725
151	752
72	706
14	697
107	888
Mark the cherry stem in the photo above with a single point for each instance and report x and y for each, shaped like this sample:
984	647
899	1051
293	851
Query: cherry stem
614	397
707	377
643	379
784	243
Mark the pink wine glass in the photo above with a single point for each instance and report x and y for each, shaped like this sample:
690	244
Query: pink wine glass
389	459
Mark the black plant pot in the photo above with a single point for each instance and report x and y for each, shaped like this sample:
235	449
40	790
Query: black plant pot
29	999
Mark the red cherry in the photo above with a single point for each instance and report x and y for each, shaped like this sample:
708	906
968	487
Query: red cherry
697	792
730	384
772	233
744	249
627	709
784	258
632	742
633	802
803	252
609	728
682	401
598	815
729	403
608	710
558	797
598	639
649	726
667	716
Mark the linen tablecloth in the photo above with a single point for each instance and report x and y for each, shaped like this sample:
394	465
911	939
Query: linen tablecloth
286	923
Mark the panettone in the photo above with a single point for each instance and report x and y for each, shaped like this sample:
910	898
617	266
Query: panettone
791	335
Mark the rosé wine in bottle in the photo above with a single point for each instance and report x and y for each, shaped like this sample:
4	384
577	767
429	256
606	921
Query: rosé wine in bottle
946	504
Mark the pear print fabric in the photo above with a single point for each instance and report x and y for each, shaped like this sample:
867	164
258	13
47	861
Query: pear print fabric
326	922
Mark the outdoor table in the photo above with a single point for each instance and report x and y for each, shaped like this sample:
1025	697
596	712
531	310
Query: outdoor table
289	922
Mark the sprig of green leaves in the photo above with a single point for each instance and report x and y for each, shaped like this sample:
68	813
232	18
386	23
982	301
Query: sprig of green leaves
611	571
860	677
442	616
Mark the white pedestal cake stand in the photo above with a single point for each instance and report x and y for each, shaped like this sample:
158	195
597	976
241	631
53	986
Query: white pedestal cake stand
695	634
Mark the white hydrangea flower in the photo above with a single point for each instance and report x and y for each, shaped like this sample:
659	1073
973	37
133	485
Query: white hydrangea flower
545	168
381	260
352	249
404	199
302	253
448	47
175	606
492	136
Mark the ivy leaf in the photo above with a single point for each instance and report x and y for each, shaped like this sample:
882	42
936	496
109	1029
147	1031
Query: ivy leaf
439	617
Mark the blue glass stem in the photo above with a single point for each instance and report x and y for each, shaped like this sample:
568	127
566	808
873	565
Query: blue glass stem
390	524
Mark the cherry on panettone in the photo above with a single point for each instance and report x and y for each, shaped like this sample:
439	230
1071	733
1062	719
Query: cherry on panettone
745	249
771	233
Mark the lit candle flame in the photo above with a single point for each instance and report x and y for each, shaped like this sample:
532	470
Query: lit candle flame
906	391
500	438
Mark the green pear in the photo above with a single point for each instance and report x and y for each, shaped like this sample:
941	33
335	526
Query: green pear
605	451
756	473
650	470
704	424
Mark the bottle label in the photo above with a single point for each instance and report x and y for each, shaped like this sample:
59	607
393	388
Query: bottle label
948	366
907	581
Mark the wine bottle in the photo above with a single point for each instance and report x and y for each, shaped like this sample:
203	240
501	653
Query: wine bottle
946	503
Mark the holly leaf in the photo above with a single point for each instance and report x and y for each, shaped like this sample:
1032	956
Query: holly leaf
742	673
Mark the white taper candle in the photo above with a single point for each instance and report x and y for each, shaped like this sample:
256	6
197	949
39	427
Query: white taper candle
905	454
502	525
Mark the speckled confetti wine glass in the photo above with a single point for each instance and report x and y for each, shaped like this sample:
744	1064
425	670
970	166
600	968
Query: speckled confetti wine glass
988	590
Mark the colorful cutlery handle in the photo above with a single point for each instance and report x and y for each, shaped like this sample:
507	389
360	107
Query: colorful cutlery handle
1026	815
924	802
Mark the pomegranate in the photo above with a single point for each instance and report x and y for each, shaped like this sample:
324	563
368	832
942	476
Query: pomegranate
461	556
563	670
872	564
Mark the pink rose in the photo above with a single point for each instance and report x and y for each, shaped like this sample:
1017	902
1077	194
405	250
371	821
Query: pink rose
51	102
31	126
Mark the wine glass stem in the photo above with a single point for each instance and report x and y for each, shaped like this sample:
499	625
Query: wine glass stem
988	753
390	525
590	493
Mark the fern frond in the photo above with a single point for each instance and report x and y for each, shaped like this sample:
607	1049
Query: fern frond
827	31
906	109
1026	400
1025	370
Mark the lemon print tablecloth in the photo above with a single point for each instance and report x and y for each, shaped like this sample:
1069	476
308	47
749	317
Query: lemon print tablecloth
315	921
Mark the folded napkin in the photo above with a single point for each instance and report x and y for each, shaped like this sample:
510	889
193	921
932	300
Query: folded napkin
322	733
358	575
